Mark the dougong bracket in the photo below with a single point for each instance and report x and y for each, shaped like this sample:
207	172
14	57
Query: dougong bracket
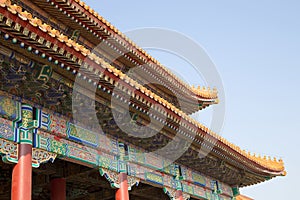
9	151
40	156
111	176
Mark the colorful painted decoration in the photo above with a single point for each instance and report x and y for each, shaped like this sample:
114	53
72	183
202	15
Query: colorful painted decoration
44	73
9	151
198	179
154	177
9	108
54	124
79	134
6	129
40	156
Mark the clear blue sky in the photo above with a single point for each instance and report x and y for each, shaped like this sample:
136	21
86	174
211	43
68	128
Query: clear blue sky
255	46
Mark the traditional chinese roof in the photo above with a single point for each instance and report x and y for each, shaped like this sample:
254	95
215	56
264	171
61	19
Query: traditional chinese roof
97	29
257	168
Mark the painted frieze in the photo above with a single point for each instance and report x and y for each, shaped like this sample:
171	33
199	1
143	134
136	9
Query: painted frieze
54	124
7	130
9	108
79	134
9	151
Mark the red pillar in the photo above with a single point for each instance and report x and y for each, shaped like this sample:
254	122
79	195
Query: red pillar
122	193
58	189
22	174
178	195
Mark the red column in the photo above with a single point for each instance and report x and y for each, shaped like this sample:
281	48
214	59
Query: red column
178	195
122	193
22	174
58	189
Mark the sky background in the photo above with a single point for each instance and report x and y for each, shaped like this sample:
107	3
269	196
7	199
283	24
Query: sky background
255	46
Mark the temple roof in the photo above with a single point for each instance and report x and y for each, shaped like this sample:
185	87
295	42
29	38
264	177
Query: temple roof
264	165
96	29
201	92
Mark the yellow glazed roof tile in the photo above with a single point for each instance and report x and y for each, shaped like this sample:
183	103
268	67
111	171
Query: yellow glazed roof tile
199	92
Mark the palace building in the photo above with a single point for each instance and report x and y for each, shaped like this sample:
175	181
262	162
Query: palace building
67	105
